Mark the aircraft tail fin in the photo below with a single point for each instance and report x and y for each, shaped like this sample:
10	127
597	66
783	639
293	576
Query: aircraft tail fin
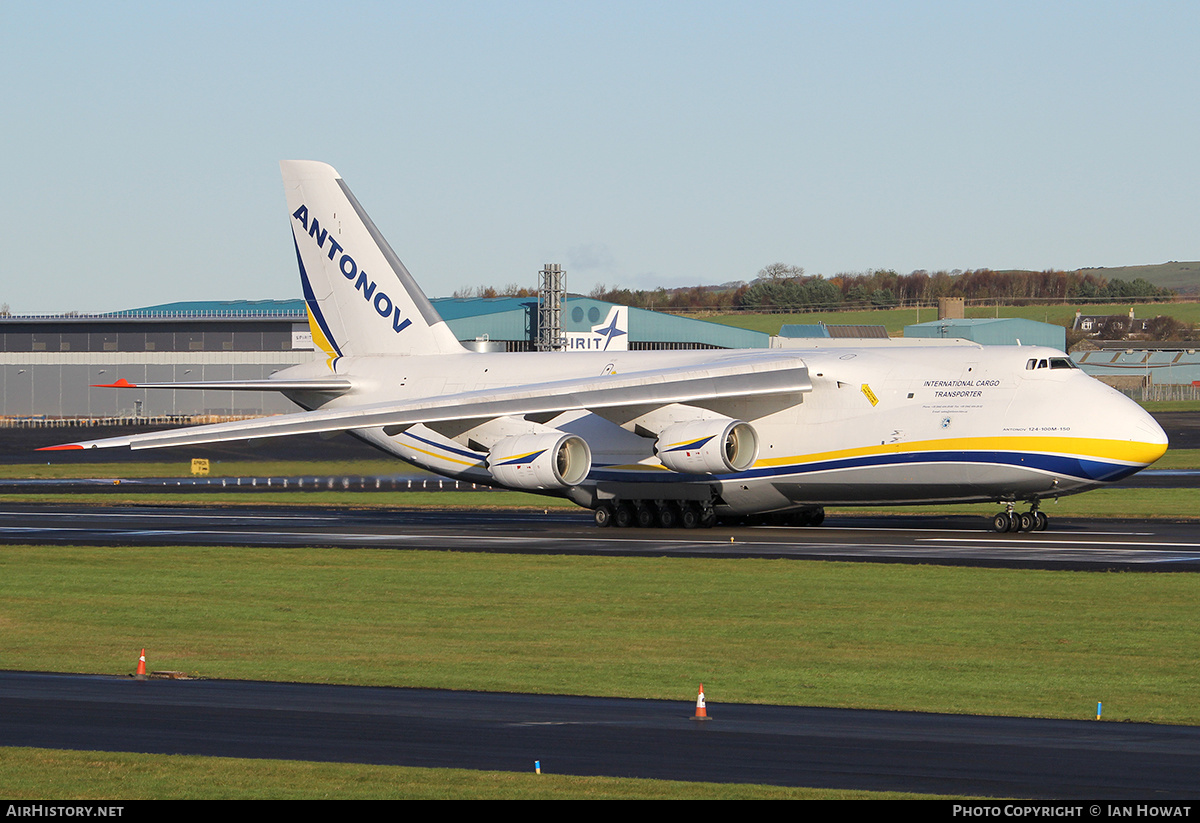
361	299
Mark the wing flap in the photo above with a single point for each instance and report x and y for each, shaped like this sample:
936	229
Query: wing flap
753	375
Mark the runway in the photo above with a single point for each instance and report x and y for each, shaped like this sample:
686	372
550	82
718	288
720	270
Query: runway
962	540
780	745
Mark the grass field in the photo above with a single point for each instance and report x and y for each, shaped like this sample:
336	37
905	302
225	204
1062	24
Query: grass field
36	774
1170	405
920	638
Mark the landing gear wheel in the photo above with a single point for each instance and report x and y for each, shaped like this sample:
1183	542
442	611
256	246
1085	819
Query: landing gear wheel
603	516
1026	522
644	517
708	518
689	516
1042	521
668	518
624	516
1001	522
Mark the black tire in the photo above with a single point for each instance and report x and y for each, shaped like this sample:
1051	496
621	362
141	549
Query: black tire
1001	522
689	517
644	516
624	516
603	516
668	516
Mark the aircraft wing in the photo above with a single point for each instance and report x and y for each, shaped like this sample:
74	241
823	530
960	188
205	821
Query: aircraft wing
755	374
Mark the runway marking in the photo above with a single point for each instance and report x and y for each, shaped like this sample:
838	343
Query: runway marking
833	528
1047	542
564	723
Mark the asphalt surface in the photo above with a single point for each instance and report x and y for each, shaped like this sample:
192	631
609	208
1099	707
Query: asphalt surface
965	540
781	745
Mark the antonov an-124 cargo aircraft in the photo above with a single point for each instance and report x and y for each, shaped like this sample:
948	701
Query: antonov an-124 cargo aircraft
665	438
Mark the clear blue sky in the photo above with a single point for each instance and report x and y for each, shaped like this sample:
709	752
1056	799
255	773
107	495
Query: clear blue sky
638	144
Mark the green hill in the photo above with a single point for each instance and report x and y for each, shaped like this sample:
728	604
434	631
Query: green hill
1184	278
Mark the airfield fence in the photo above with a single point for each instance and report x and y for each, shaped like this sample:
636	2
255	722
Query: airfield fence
44	422
1164	391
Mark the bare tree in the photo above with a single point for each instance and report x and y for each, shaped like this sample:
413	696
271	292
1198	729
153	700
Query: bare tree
780	271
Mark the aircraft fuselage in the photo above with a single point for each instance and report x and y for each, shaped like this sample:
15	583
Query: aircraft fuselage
887	424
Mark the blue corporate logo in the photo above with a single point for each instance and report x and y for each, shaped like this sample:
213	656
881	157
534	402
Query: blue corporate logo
376	297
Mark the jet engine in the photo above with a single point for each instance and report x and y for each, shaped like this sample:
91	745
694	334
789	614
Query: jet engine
708	446
550	460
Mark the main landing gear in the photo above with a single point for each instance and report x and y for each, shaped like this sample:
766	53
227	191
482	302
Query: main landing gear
664	514
1011	521
691	514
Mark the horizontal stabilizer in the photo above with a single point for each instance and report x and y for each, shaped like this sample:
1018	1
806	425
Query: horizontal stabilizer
320	384
750	375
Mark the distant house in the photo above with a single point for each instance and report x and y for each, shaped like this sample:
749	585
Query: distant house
1112	326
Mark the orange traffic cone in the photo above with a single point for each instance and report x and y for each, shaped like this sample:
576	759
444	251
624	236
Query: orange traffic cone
141	669
701	713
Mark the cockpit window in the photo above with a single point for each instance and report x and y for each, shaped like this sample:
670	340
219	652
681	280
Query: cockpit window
1053	363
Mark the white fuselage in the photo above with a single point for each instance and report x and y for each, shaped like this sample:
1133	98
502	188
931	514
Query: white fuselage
890	424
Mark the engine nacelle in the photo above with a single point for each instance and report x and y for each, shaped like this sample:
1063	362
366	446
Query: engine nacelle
708	446
551	460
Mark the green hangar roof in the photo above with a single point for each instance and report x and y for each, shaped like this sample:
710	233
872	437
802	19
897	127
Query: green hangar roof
1000	331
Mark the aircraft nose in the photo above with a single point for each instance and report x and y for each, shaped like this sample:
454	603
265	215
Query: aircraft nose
1146	430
